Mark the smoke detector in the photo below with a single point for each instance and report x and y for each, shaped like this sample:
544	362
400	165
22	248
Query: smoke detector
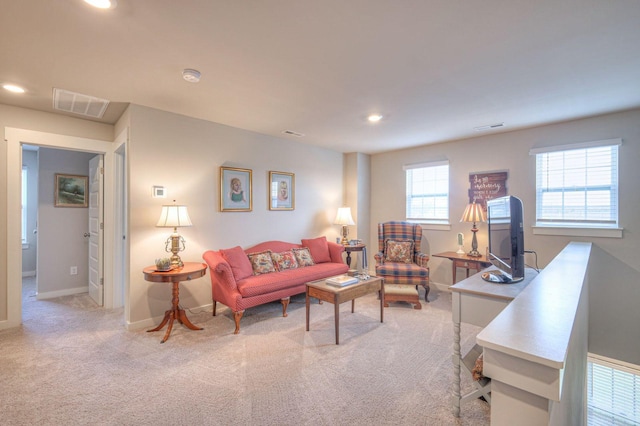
190	75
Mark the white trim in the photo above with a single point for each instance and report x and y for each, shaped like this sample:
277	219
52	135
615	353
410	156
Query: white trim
431	226
614	363
578	231
428	164
28	274
578	145
65	292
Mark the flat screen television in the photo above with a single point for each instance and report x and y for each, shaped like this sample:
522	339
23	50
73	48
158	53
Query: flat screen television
506	240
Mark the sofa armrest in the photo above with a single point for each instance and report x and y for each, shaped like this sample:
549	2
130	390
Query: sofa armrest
220	271
422	259
379	257
335	252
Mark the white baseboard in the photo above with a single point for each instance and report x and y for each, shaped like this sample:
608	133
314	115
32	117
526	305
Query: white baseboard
28	274
154	321
58	293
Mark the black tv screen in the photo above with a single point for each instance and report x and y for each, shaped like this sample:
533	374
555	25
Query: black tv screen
506	239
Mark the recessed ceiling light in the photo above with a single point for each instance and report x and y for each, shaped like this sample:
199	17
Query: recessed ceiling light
190	75
374	118
13	88
103	4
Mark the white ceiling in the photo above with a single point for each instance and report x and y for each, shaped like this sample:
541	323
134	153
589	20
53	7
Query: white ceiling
434	68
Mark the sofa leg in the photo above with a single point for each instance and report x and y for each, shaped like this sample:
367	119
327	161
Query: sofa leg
236	317
285	303
214	308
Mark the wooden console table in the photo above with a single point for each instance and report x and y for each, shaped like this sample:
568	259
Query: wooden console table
348	249
464	261
190	270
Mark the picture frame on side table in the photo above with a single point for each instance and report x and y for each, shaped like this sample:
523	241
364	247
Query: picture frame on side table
282	191
236	193
71	190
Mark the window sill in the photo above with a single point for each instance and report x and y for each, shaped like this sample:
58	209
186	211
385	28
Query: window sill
578	232
432	226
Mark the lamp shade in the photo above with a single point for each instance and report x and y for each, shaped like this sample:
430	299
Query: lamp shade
344	217
173	216
473	213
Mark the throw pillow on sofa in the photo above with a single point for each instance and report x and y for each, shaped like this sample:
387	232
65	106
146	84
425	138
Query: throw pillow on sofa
261	262
303	256
239	262
319	249
398	251
285	260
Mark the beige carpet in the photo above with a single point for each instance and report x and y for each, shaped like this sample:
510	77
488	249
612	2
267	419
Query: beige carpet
73	363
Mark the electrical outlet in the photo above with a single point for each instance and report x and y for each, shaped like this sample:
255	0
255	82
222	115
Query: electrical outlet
74	270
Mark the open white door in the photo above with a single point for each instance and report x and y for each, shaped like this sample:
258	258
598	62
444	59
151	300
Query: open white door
96	283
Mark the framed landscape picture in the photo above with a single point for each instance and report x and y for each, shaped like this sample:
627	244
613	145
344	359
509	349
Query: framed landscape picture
71	190
281	191
235	190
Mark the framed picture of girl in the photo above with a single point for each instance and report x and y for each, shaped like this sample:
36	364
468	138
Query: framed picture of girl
281	191
235	190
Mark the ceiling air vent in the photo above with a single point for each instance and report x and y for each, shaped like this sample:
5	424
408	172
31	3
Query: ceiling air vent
77	103
292	133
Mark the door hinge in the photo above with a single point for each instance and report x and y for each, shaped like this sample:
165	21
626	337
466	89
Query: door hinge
101	281
101	225
101	170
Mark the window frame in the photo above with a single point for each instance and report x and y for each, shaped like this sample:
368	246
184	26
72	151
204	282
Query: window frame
578	228
436	223
25	206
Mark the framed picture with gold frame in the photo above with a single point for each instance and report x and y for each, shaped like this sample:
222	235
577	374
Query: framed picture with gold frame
282	191
235	190
71	190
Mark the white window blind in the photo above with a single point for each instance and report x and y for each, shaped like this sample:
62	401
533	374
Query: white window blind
577	185
428	192
612	395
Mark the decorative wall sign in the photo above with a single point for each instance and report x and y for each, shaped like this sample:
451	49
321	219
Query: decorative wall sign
486	186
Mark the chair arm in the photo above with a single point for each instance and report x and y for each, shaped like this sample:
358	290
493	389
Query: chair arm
379	257
221	273
335	252
422	259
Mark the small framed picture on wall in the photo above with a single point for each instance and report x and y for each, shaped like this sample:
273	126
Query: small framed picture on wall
235	190
281	191
71	191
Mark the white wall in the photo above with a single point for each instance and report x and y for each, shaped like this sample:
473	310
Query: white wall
184	155
613	318
61	240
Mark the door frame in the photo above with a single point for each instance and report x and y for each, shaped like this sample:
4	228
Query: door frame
15	138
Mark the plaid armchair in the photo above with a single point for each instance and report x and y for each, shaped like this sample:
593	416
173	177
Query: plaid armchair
399	260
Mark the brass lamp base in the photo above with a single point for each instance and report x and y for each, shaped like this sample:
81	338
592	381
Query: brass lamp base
176	242
345	232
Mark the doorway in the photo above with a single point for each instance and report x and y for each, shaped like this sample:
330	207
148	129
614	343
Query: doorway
15	139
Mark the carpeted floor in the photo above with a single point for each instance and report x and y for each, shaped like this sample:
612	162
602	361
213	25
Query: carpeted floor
73	363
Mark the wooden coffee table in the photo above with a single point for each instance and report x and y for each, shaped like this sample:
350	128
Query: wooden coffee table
337	295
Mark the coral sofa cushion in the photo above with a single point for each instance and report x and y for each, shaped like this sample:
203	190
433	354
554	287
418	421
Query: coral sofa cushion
398	251
239	262
285	260
319	249
261	262
303	256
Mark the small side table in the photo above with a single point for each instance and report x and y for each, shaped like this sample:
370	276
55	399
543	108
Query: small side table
350	248
190	271
464	261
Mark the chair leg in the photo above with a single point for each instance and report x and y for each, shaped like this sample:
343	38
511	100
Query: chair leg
236	317
214	308
285	303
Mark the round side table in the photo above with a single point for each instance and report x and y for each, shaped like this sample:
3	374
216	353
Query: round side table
190	271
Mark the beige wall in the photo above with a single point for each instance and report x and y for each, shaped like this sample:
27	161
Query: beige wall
613	314
44	122
184	155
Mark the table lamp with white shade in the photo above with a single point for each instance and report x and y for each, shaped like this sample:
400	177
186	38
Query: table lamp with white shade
174	216
344	218
473	213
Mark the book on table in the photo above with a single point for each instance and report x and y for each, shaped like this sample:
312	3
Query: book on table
341	280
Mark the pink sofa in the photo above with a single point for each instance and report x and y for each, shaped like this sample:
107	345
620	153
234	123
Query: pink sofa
235	284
